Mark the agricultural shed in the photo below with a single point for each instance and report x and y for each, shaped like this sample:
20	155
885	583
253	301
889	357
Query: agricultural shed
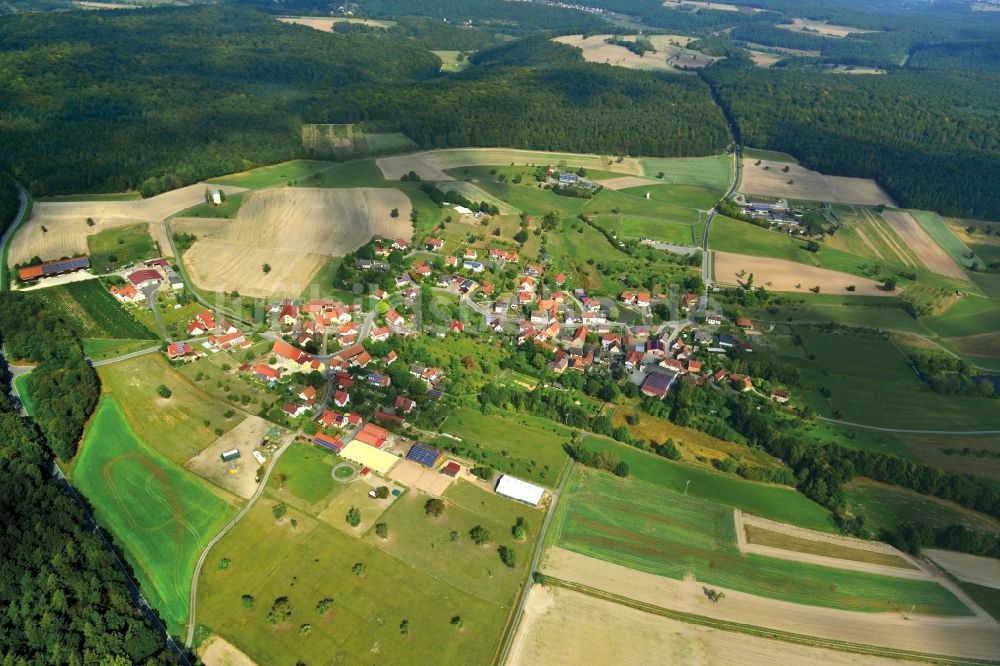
451	469
368	456
519	490
425	455
331	443
53	268
144	277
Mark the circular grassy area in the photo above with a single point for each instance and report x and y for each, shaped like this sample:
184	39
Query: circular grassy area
345	472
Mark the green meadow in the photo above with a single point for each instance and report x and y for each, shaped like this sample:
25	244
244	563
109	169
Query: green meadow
159	514
887	507
650	528
120	246
271	176
21	385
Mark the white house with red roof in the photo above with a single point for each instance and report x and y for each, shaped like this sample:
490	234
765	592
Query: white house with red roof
145	277
341	399
127	294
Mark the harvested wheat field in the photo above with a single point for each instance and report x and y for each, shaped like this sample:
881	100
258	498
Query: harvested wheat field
784	275
241	481
561	626
983	571
821	27
769	179
430	164
294	231
66	221
625	182
326	24
929	252
975	637
670	52
217	651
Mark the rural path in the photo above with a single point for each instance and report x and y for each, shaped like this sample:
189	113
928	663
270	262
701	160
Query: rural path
908	431
706	255
539	547
125	357
189	640
15	372
9	233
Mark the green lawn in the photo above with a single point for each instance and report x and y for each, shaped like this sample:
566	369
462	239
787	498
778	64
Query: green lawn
779	503
99	349
533	452
379	144
21	384
308	471
871	382
178	427
887	507
227	209
649	528
160	515
425	543
95	313
116	247
987	597
277	174
714	172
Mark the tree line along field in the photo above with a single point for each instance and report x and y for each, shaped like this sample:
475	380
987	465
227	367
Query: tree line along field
160	515
94	311
426	571
650	528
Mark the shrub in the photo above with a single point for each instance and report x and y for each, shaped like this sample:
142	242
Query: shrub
248	600
482	472
479	534
281	611
353	517
434	507
163	391
520	529
224	563
507	556
404	627
359	569
382	530
279	511
324	605
457	621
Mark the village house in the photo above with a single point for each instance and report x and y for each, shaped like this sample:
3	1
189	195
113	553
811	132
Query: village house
127	294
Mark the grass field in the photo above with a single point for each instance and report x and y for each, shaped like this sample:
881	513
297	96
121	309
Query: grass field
987	597
765	537
227	209
532	452
270	176
94	312
308	471
886	507
712	173
450	61
871	382
103	348
178	427
778	503
210	376
117	247
939	232
380	144
21	384
160	515
649	528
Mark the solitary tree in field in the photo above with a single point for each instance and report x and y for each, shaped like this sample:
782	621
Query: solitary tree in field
279	511
248	600
280	611
90	222
457	621
434	507
266	268
394	213
359	569
163	391
382	530
479	534
404	627
353	517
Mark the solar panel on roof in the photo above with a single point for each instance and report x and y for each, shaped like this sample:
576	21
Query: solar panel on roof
424	455
65	265
434	394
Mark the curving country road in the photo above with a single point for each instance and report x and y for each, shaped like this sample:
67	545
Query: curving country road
9	233
223	532
706	255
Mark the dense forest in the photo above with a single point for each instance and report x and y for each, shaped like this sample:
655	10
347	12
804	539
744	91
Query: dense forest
63	386
63	597
931	139
9	201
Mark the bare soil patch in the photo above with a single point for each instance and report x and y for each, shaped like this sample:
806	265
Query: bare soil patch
242	480
783	275
929	252
561	626
973	637
417	476
628	181
769	179
969	568
294	231
820	27
66	228
430	164
217	651
670	52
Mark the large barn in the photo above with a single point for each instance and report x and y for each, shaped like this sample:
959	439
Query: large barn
519	490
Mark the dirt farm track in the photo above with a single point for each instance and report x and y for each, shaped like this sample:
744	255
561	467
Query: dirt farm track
294	231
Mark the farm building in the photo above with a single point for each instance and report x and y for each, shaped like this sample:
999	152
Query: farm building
173	279
451	469
370	457
265	372
53	268
372	435
331	443
230	456
425	455
216	197
519	490
567	178
657	384
144	277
